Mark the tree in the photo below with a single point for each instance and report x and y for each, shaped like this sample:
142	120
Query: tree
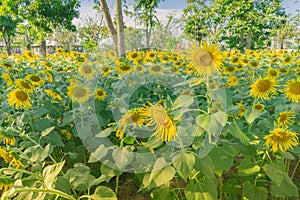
8	26
45	16
144	11
242	24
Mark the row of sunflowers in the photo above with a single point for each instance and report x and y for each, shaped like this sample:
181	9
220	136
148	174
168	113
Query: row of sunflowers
201	123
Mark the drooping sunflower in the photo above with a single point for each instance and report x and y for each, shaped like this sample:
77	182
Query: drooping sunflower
285	118
53	94
79	94
7	79
47	65
133	117
281	140
35	79
67	133
292	90
165	127
205	59
6	183
49	76
100	94
7	65
86	71
8	138
263	88
242	109
259	107
19	99
24	85
156	69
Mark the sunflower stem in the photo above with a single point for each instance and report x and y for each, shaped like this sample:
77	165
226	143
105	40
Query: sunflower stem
295	169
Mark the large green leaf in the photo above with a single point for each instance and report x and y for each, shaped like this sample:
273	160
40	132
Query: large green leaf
50	173
184	164
103	193
252	192
159	175
201	191
236	132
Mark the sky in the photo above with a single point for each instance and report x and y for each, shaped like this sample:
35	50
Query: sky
165	7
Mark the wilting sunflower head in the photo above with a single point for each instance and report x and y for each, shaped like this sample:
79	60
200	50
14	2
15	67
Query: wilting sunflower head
281	140
165	127
292	90
100	94
79	94
205	59
285	118
19	99
86	71
263	88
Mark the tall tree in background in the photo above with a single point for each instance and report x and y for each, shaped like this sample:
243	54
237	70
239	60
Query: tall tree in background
8	26
45	16
145	13
242	24
117	33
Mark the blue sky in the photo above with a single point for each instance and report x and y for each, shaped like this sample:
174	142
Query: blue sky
290	5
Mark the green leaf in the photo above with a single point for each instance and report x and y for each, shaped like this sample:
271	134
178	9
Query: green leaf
247	168
205	165
129	140
184	164
203	121
217	122
122	158
42	124
103	193
252	192
182	101
97	155
250	116
236	132
50	173
159	175
47	131
63	184
201	191
109	172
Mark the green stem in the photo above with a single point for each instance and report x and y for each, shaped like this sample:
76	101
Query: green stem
17	170
220	187
117	184
52	191
295	169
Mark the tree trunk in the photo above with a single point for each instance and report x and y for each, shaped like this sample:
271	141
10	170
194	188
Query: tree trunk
249	40
148	37
242	41
43	48
109	22
28	42
120	28
7	41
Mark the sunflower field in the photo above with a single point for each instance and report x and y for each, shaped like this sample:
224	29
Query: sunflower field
194	124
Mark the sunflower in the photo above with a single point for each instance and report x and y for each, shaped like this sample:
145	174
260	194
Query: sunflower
78	93
283	70
6	183
229	70
233	80
164	58
119	133
133	56
100	94
292	90
19	99
139	69
24	85
134	117
242	109
86	71
8	138
67	133
124	68
28	54
205	59
286	118
259	107
111	54
254	63
156	69
281	139
7	65
53	94
150	56
11	157
287	60
263	88
47	65
35	79
7	79
272	73
165	127
60	51
234	60
49	76
104	70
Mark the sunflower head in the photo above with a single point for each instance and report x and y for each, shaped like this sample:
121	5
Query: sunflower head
281	140
205	59
79	94
259	107
292	90
263	88
100	94
19	99
286	118
86	71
